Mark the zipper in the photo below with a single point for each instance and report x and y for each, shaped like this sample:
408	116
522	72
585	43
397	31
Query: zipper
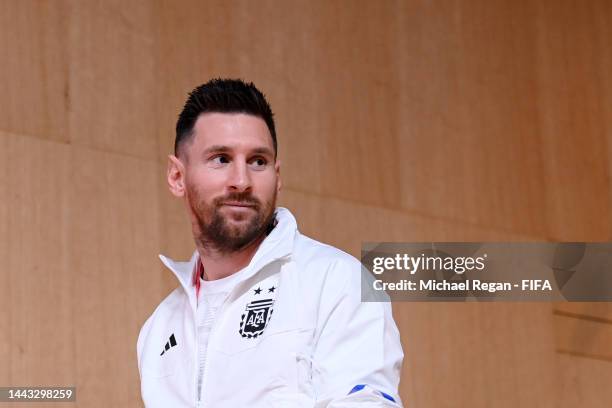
199	377
202	380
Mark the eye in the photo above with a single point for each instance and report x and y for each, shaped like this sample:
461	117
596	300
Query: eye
219	160
258	163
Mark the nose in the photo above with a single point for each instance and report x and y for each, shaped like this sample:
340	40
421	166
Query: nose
240	179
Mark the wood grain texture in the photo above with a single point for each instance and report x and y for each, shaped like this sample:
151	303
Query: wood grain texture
80	231
114	239
594	309
347	224
113	77
34	68
582	382
476	355
37	309
469	145
573	58
583	336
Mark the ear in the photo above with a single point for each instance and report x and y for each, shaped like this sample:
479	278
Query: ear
176	176
279	183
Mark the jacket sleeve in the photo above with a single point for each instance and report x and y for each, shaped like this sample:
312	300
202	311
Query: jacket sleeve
358	355
144	331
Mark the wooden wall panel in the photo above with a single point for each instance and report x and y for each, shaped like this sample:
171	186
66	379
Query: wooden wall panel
351	48
583	336
80	231
593	309
582	382
113	77
5	276
34	68
477	355
114	239
37	332
333	221
573	58
604	32
444	171
469	148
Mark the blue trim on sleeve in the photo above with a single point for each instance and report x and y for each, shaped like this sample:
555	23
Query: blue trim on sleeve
387	396
356	388
360	387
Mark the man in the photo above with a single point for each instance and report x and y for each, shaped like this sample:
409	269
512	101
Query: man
264	316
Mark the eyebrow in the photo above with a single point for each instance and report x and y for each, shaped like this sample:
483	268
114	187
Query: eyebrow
225	149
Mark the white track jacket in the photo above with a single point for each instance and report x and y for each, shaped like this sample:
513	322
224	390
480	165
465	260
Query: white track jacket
309	342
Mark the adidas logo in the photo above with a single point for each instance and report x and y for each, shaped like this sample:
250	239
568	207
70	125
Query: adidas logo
171	343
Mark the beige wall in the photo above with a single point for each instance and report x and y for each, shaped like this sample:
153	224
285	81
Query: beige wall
413	120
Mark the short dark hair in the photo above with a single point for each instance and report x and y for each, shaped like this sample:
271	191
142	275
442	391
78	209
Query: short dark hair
223	96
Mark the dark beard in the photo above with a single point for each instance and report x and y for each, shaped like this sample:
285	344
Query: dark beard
217	234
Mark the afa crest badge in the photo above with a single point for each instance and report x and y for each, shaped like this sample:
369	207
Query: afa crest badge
255	318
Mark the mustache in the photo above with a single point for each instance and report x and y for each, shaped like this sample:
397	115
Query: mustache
242	198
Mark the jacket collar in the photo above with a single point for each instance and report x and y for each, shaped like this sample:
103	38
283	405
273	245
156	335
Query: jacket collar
278	244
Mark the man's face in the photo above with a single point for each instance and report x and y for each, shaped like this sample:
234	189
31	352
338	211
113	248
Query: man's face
231	180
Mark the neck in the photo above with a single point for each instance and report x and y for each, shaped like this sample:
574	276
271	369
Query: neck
219	265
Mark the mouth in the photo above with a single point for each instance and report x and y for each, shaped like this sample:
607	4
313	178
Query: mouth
238	204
